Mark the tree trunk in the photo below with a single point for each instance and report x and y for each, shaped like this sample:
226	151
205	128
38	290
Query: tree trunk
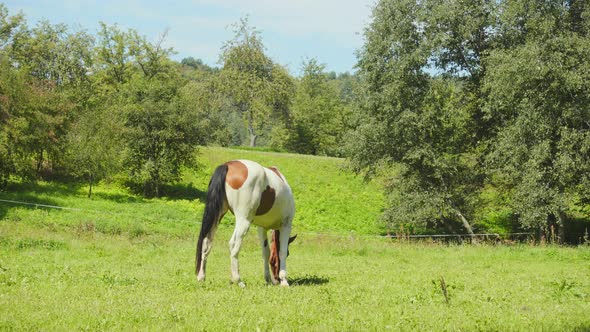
251	130
90	187
252	134
253	140
560	226
39	163
467	226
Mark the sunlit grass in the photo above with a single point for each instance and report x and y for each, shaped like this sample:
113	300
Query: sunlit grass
121	262
88	280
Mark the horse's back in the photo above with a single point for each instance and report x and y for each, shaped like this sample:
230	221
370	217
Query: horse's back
258	193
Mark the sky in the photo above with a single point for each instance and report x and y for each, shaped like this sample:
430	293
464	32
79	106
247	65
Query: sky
292	30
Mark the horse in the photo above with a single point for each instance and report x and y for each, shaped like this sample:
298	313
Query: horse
255	195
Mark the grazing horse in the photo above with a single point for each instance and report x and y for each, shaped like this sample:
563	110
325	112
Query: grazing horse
255	195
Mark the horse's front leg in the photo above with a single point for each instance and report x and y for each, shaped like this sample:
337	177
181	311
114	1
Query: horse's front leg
235	243
264	245
283	252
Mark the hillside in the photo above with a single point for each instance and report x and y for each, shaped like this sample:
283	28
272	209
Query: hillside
329	199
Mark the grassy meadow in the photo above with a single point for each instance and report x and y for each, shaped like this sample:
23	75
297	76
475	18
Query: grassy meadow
117	261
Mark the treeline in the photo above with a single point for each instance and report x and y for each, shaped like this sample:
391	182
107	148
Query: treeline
82	106
476	113
483	108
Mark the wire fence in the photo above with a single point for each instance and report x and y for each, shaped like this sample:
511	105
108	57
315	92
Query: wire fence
41	205
99	212
446	237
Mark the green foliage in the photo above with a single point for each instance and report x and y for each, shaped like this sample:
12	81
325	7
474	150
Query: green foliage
160	133
93	146
43	86
212	113
541	151
76	106
249	78
438	180
318	115
196	69
472	113
192	62
468	95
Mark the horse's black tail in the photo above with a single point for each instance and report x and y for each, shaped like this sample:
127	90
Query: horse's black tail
215	200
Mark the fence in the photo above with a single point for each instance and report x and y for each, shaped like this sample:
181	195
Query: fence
519	236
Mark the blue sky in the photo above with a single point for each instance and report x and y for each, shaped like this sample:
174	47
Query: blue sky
292	30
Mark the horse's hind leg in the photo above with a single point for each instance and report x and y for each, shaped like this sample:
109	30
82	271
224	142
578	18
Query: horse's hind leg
264	245
283	251
235	243
207	245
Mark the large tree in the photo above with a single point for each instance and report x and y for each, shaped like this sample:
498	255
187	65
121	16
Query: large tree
466	95
138	83
45	85
541	153
255	85
421	123
317	114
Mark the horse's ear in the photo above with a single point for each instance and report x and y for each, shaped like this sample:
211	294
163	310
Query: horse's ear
292	238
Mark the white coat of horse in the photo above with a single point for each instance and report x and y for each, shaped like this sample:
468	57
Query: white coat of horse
255	195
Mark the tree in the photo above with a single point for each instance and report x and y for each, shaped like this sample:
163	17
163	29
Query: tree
139	82
113	56
212	113
426	125
160	139
11	86
317	113
93	146
541	152
46	82
466	95
250	79
9	26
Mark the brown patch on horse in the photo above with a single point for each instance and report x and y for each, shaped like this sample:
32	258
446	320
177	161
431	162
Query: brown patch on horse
274	261
237	173
276	171
267	200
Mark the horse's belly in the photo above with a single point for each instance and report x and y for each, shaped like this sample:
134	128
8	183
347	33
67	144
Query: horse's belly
271	220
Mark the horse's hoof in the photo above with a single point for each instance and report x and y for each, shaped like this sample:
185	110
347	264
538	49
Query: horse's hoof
284	283
242	284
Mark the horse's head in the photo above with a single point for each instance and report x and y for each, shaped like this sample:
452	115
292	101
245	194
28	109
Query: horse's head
274	259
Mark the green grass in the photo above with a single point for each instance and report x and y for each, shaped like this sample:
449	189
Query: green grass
127	263
90	281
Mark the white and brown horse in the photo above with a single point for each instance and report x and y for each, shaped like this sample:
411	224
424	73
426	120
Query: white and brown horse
255	195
